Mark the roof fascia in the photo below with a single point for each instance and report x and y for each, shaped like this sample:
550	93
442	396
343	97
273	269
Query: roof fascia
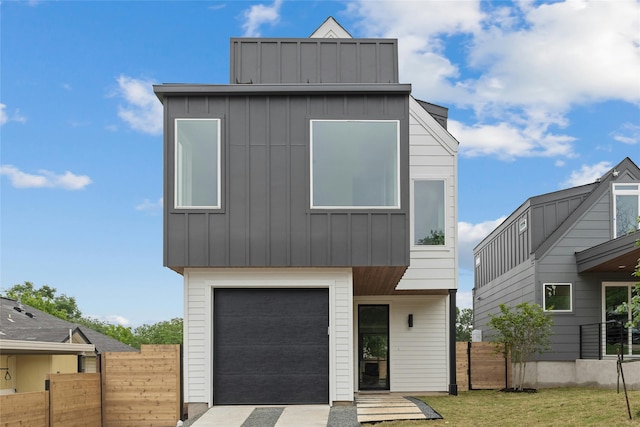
425	119
18	346
606	251
508	220
165	90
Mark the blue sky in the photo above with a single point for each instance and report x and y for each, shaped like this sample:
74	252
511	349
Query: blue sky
541	96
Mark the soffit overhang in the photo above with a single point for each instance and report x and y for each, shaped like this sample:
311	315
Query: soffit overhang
617	255
42	347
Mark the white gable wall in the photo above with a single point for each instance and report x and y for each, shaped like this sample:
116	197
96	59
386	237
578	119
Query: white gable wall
433	155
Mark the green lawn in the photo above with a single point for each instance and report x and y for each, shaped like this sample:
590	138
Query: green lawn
548	407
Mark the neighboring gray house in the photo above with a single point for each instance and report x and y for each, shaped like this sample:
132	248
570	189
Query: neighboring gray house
310	205
573	252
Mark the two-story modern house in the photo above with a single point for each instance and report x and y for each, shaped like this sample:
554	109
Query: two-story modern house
572	252
310	205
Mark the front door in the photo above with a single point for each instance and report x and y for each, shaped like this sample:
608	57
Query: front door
373	347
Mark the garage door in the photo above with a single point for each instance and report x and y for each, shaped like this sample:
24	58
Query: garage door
271	346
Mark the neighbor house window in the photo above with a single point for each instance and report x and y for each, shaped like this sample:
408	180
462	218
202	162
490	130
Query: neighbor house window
355	164
557	297
197	167
428	212
522	225
626	208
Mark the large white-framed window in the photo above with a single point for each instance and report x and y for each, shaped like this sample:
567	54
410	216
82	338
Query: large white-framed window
615	330
355	164
428	196
557	297
626	208
197	163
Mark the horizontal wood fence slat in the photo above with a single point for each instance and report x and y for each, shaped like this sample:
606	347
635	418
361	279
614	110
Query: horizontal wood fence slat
75	400
141	389
25	409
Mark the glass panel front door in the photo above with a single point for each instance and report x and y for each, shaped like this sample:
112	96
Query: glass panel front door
617	333
373	347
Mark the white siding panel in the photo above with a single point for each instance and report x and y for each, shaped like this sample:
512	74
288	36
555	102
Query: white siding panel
418	357
198	345
430	156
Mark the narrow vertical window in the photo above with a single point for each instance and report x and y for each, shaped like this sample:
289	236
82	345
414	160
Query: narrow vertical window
197	167
626	205
428	213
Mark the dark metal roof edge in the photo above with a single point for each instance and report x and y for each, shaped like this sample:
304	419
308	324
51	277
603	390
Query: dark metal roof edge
516	214
606	251
388	40
601	187
171	89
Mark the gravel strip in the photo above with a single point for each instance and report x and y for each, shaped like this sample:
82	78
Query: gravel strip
426	409
343	416
263	417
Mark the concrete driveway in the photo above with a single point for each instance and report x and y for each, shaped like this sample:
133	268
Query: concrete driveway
278	416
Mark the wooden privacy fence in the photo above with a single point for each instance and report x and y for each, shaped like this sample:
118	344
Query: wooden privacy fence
478	366
74	400
141	389
25	409
133	389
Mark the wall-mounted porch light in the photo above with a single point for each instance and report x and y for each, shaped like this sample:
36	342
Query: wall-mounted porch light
410	320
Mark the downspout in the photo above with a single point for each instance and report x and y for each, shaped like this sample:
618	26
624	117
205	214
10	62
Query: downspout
453	386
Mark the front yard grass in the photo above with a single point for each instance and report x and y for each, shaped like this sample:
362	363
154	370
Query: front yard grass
548	407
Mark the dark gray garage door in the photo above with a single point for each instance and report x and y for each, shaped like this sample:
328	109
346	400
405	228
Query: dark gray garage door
271	346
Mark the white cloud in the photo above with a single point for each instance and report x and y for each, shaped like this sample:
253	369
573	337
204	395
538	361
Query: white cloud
258	15
15	116
142	111
113	319
44	179
149	205
586	174
508	141
469	235
464	299
531	64
628	134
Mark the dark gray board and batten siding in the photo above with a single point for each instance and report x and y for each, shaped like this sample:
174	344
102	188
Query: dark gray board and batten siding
277	61
265	219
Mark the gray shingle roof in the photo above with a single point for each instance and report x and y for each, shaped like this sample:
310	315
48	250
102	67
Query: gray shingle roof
25	323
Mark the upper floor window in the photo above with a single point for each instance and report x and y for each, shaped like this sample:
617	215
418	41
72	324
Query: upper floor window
197	167
626	208
428	212
355	164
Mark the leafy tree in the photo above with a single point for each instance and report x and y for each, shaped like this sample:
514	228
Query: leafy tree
165	332
435	238
464	324
45	299
521	333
